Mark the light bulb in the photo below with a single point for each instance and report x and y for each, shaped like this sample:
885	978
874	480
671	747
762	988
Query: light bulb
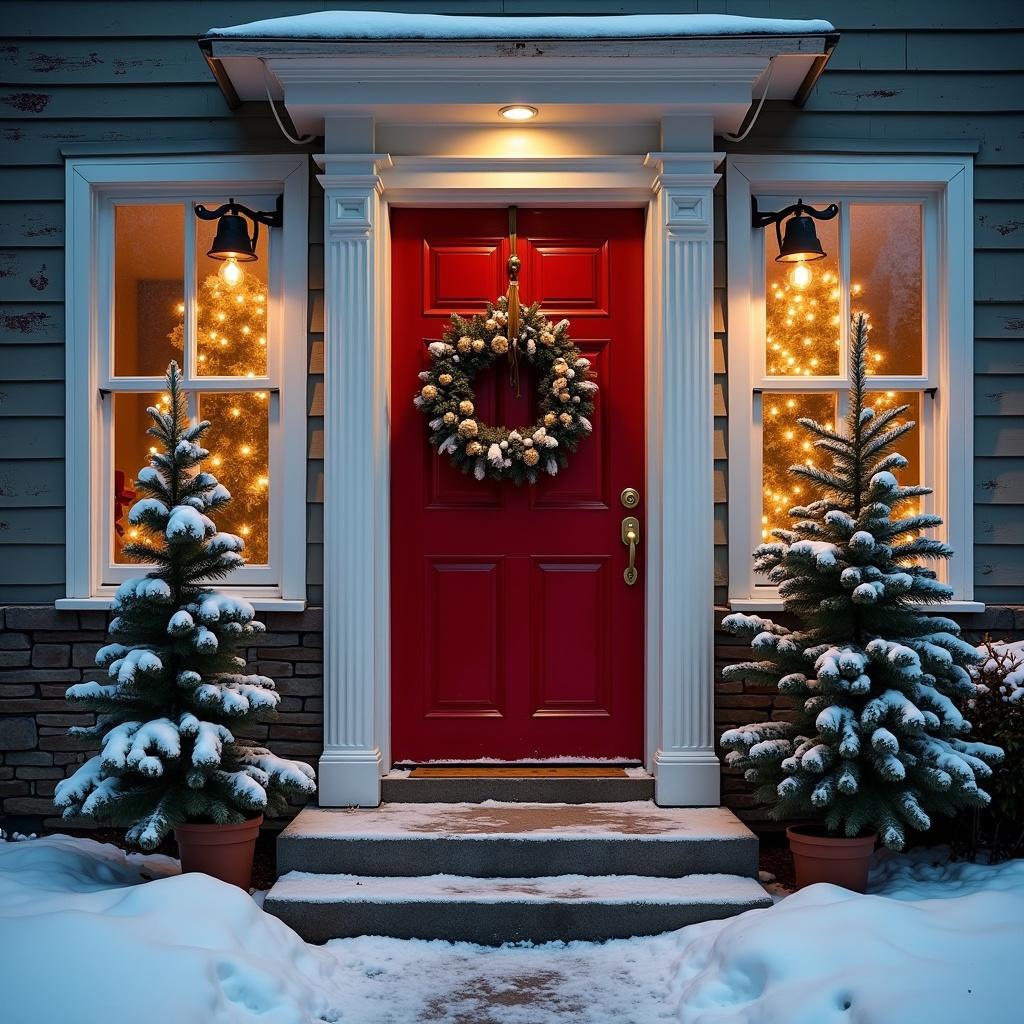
230	273
800	276
518	112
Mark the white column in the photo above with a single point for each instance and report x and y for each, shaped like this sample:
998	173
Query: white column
680	637
356	671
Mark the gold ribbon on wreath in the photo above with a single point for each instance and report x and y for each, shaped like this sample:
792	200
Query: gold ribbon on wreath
514	263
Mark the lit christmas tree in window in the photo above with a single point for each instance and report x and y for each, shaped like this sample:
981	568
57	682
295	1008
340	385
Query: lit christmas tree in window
802	337
231	341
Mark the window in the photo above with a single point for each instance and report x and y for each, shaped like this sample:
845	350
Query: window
899	250
141	292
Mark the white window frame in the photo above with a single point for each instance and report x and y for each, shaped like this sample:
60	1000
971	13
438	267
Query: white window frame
944	185
92	186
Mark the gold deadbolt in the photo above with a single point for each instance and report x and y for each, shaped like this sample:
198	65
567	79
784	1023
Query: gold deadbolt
630	497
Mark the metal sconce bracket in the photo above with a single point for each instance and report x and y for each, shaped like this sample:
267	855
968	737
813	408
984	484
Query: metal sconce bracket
272	220
797	210
232	234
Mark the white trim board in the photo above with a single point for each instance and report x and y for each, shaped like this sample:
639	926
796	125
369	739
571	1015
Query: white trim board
944	185
676	191
91	183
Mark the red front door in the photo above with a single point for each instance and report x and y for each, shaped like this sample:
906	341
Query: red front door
513	633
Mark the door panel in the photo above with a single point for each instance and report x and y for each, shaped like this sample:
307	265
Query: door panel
513	632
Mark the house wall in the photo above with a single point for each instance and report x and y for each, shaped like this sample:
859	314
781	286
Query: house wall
125	77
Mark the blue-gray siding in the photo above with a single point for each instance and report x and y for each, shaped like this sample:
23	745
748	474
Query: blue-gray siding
130	74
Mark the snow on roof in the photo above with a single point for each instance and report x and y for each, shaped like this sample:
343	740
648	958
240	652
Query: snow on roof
386	25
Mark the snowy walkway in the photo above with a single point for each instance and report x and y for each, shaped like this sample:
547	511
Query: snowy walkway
82	941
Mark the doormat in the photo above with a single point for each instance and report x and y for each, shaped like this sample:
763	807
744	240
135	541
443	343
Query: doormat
519	772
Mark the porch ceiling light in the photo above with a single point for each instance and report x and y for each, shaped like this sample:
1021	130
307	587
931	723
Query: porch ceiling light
518	112
232	242
801	243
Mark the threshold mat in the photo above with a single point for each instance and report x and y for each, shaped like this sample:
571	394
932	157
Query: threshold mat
518	772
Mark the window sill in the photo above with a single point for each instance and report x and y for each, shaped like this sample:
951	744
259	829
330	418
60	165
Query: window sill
103	603
768	604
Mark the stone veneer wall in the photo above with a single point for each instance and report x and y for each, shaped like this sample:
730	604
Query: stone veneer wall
42	651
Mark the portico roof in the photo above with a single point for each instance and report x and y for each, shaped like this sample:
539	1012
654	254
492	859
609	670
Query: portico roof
614	69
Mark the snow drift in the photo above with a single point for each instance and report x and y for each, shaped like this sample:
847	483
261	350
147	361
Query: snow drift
83	941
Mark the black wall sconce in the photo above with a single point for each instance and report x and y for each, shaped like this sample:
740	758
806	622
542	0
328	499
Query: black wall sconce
801	243
232	243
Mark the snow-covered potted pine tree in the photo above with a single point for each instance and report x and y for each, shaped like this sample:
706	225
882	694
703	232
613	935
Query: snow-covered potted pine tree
177	692
877	744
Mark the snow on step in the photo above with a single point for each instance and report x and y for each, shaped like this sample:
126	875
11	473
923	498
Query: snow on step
610	889
491	911
636	819
519	839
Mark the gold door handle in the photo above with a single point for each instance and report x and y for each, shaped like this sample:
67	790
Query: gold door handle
630	537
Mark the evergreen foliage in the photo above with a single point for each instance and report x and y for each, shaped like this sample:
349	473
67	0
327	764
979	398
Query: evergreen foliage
564	398
177	694
877	741
997	713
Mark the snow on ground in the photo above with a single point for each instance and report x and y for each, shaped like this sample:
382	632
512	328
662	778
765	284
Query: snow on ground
83	941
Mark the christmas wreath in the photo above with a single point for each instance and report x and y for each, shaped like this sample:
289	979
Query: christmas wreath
565	394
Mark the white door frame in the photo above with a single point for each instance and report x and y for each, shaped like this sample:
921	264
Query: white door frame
676	191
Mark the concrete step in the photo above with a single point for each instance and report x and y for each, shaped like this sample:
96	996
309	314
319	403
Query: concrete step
492	911
518	840
397	787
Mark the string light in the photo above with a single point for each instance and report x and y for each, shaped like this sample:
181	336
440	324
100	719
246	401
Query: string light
802	312
231	328
784	443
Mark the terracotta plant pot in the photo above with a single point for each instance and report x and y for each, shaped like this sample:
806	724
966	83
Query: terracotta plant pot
223	851
819	857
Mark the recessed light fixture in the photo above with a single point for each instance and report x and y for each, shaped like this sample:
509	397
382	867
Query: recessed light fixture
518	112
